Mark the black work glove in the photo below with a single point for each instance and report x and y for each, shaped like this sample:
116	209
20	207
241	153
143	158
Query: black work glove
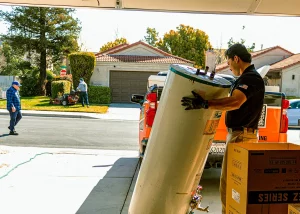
194	103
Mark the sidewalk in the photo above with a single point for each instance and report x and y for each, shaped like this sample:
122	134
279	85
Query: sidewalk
65	181
68	181
74	181
115	112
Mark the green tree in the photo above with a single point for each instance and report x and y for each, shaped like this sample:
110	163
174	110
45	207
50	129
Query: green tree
42	33
112	44
12	62
151	37
232	42
242	41
186	42
82	65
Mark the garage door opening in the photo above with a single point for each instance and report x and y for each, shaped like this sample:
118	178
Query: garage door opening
125	83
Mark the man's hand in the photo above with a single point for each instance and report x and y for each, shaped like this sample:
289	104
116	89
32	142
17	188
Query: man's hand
194	103
13	109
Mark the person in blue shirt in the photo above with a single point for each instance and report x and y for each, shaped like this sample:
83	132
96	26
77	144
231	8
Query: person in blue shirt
14	106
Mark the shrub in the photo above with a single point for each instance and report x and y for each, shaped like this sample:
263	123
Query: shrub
50	75
48	88
60	87
82	64
67	77
99	94
50	78
29	86
30	82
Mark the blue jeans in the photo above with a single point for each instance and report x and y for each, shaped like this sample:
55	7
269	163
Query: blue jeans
15	117
84	98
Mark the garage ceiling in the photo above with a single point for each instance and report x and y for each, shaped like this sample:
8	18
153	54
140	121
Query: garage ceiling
251	7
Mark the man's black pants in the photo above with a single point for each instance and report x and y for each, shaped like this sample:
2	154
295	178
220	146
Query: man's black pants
84	98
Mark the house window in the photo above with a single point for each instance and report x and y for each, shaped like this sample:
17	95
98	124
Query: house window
293	77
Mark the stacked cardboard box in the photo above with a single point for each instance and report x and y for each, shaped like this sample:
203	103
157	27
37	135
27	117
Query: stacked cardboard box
262	178
294	209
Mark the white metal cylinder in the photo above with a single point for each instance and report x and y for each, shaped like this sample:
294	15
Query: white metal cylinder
179	144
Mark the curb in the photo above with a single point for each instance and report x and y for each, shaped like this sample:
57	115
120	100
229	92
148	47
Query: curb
53	115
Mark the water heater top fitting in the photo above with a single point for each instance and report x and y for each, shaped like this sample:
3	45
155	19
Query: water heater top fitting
190	73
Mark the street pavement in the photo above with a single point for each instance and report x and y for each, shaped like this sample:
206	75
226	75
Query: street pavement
78	165
56	132
115	112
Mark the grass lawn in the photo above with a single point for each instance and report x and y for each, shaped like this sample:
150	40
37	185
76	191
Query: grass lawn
42	104
292	97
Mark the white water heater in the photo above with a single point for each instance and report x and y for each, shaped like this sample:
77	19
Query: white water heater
179	144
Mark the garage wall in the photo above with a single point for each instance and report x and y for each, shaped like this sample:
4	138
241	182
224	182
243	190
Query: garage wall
102	69
108	73
268	58
140	50
290	86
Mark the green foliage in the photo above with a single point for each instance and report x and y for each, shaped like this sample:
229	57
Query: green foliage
152	36
42	33
60	87
110	45
50	78
57	68
292	97
50	75
232	42
82	64
29	82
67	77
12	61
99	94
186	42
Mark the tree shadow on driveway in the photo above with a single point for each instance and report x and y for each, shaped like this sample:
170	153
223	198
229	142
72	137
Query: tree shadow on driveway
110	193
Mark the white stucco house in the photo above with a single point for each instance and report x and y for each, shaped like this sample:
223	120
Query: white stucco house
286	74
284	71
126	68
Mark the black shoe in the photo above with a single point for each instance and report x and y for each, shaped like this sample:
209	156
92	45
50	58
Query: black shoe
13	133
9	128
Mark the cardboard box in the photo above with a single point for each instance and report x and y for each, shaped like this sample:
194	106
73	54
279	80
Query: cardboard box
294	209
262	178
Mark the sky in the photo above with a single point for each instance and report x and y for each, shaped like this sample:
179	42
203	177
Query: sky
102	26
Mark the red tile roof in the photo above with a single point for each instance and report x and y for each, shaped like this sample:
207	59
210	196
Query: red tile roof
254	54
119	48
141	43
141	59
258	53
111	49
286	63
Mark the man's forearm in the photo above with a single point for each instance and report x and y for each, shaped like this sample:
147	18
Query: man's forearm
225	104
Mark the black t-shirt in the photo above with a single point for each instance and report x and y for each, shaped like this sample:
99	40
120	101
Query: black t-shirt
252	85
